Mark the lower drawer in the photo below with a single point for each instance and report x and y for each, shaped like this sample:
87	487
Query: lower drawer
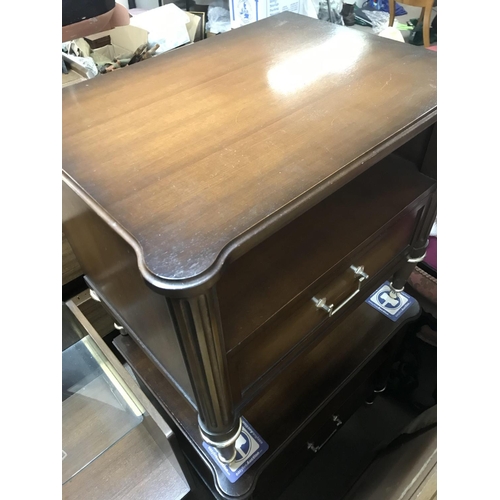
314	437
328	421
311	440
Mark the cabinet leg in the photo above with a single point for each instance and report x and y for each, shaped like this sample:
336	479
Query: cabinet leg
401	275
198	328
419	247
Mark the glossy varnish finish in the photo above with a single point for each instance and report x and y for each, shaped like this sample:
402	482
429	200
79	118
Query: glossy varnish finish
199	154
239	168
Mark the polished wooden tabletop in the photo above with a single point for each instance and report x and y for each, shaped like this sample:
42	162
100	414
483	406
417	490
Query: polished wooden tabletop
197	155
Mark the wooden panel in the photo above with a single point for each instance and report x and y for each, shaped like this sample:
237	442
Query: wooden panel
328	364
429	164
316	433
278	270
111	266
415	149
70	267
71	270
135	468
230	143
98	317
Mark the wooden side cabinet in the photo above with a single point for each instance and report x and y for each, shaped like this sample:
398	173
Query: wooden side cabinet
233	218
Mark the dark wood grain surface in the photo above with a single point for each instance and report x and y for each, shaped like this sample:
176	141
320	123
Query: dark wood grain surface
197	155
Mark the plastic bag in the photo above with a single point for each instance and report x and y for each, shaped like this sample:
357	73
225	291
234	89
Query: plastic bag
379	19
219	20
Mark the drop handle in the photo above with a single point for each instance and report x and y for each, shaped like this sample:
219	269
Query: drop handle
321	304
311	446
331	309
360	271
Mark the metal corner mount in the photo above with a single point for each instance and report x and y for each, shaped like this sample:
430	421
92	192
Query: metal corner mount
226	449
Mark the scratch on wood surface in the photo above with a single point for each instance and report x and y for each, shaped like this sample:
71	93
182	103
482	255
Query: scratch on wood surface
238	115
390	78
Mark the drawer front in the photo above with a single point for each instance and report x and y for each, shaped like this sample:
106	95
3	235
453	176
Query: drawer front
311	439
278	271
299	321
317	435
327	422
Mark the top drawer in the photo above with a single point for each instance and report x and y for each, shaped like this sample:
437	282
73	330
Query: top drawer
263	281
280	340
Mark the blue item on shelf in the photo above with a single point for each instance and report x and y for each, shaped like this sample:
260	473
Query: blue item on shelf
383	5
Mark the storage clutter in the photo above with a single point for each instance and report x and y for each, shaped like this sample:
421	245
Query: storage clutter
150	33
162	29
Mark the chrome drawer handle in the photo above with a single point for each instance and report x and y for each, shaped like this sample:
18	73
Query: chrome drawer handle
315	449
331	310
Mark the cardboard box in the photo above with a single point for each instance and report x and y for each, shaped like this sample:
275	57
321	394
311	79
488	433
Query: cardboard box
196	26
173	28
124	41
